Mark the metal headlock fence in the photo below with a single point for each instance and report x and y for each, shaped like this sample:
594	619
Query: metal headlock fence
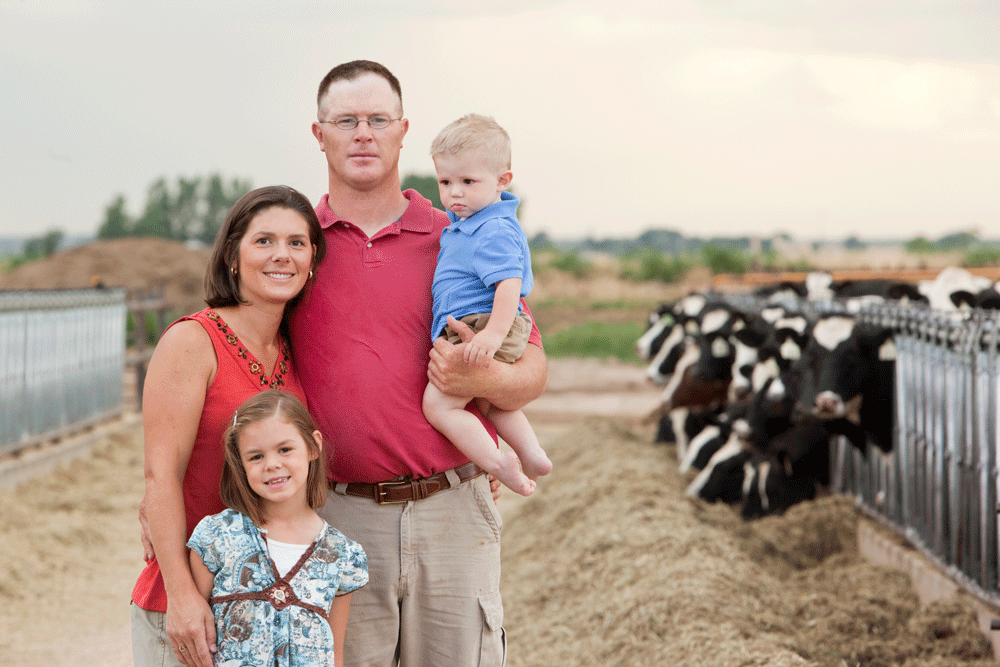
62	355
938	487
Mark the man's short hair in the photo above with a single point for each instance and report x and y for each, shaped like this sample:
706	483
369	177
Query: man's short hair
353	70
475	133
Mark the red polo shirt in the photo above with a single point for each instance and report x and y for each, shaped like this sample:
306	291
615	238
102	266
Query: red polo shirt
361	340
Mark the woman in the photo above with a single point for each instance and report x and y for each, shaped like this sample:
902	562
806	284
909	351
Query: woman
204	366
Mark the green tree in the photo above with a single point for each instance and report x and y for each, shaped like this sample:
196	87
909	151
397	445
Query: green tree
155	219
38	247
723	259
540	242
957	241
920	244
652	264
184	208
426	185
116	221
219	198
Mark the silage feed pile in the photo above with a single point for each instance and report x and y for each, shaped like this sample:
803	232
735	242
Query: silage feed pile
610	564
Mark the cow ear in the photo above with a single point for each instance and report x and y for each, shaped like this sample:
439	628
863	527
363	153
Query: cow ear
963	298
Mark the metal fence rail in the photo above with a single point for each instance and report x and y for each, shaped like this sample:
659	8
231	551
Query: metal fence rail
62	354
938	487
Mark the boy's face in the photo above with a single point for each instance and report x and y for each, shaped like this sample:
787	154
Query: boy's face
468	184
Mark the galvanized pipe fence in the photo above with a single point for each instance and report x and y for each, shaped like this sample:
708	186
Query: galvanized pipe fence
938	487
62	354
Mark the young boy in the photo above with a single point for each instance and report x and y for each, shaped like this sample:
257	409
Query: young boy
483	270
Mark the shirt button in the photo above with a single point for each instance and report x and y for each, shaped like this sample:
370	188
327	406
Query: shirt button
369	245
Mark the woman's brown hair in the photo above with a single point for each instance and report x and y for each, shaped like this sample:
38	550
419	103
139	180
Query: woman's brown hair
222	286
234	486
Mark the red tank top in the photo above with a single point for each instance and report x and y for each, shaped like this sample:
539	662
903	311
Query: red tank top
239	377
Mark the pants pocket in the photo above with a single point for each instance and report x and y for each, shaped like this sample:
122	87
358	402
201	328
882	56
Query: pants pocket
494	644
488	506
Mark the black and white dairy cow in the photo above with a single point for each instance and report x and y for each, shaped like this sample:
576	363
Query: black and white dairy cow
664	342
948	282
849	371
795	465
820	286
661	322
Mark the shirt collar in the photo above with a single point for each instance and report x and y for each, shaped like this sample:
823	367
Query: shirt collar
505	208
418	216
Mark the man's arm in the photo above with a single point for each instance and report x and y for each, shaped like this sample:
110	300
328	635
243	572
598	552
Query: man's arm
507	386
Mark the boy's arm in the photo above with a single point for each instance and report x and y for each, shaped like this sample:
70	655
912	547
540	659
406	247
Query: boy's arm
482	347
507	386
338	624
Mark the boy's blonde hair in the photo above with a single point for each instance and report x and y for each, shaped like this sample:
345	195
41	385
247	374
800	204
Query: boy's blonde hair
234	487
475	133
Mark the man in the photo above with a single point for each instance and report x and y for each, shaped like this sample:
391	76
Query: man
361	343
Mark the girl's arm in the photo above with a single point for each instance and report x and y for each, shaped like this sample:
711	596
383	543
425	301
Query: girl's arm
203	577
181	368
480	350
338	624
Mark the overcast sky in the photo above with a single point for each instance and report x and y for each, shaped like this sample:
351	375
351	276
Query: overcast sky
711	117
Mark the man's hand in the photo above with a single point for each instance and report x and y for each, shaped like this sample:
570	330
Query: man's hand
447	369
147	545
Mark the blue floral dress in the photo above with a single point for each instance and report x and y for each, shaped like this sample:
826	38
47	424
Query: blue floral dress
266	620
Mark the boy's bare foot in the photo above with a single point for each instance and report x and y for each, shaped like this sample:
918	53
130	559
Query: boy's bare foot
510	475
536	464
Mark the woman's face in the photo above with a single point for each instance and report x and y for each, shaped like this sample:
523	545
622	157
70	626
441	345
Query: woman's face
275	256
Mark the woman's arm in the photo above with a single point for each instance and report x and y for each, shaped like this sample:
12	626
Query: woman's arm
181	368
338	624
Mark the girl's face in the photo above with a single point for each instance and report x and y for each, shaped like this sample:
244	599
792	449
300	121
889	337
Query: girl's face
276	460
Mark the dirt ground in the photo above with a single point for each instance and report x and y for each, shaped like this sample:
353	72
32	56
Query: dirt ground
608	563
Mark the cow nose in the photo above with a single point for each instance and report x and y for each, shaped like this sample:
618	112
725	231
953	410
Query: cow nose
828	403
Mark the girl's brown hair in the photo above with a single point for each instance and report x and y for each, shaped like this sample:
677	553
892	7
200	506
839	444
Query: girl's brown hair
234	486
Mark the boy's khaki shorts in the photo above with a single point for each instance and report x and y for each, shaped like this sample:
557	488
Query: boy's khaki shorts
513	345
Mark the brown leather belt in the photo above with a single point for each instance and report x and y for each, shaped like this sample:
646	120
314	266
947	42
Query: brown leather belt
407	489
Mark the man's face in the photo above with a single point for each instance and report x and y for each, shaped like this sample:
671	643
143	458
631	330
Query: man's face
361	158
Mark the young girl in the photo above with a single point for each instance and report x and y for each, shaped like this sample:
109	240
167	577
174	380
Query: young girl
279	578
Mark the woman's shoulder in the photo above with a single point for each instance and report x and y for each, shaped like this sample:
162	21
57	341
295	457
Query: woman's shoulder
188	332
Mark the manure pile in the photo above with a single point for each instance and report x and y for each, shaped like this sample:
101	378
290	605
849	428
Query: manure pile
610	564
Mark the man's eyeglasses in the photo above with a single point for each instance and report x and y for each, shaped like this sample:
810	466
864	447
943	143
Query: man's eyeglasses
350	122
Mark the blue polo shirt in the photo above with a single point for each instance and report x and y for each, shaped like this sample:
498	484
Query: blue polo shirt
476	253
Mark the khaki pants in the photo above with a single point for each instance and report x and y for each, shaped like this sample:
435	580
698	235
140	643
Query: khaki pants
150	645
513	345
433	596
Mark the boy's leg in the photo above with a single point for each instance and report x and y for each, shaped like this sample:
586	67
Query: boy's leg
448	415
515	429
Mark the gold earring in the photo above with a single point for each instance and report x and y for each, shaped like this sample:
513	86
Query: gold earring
310	273
233	269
